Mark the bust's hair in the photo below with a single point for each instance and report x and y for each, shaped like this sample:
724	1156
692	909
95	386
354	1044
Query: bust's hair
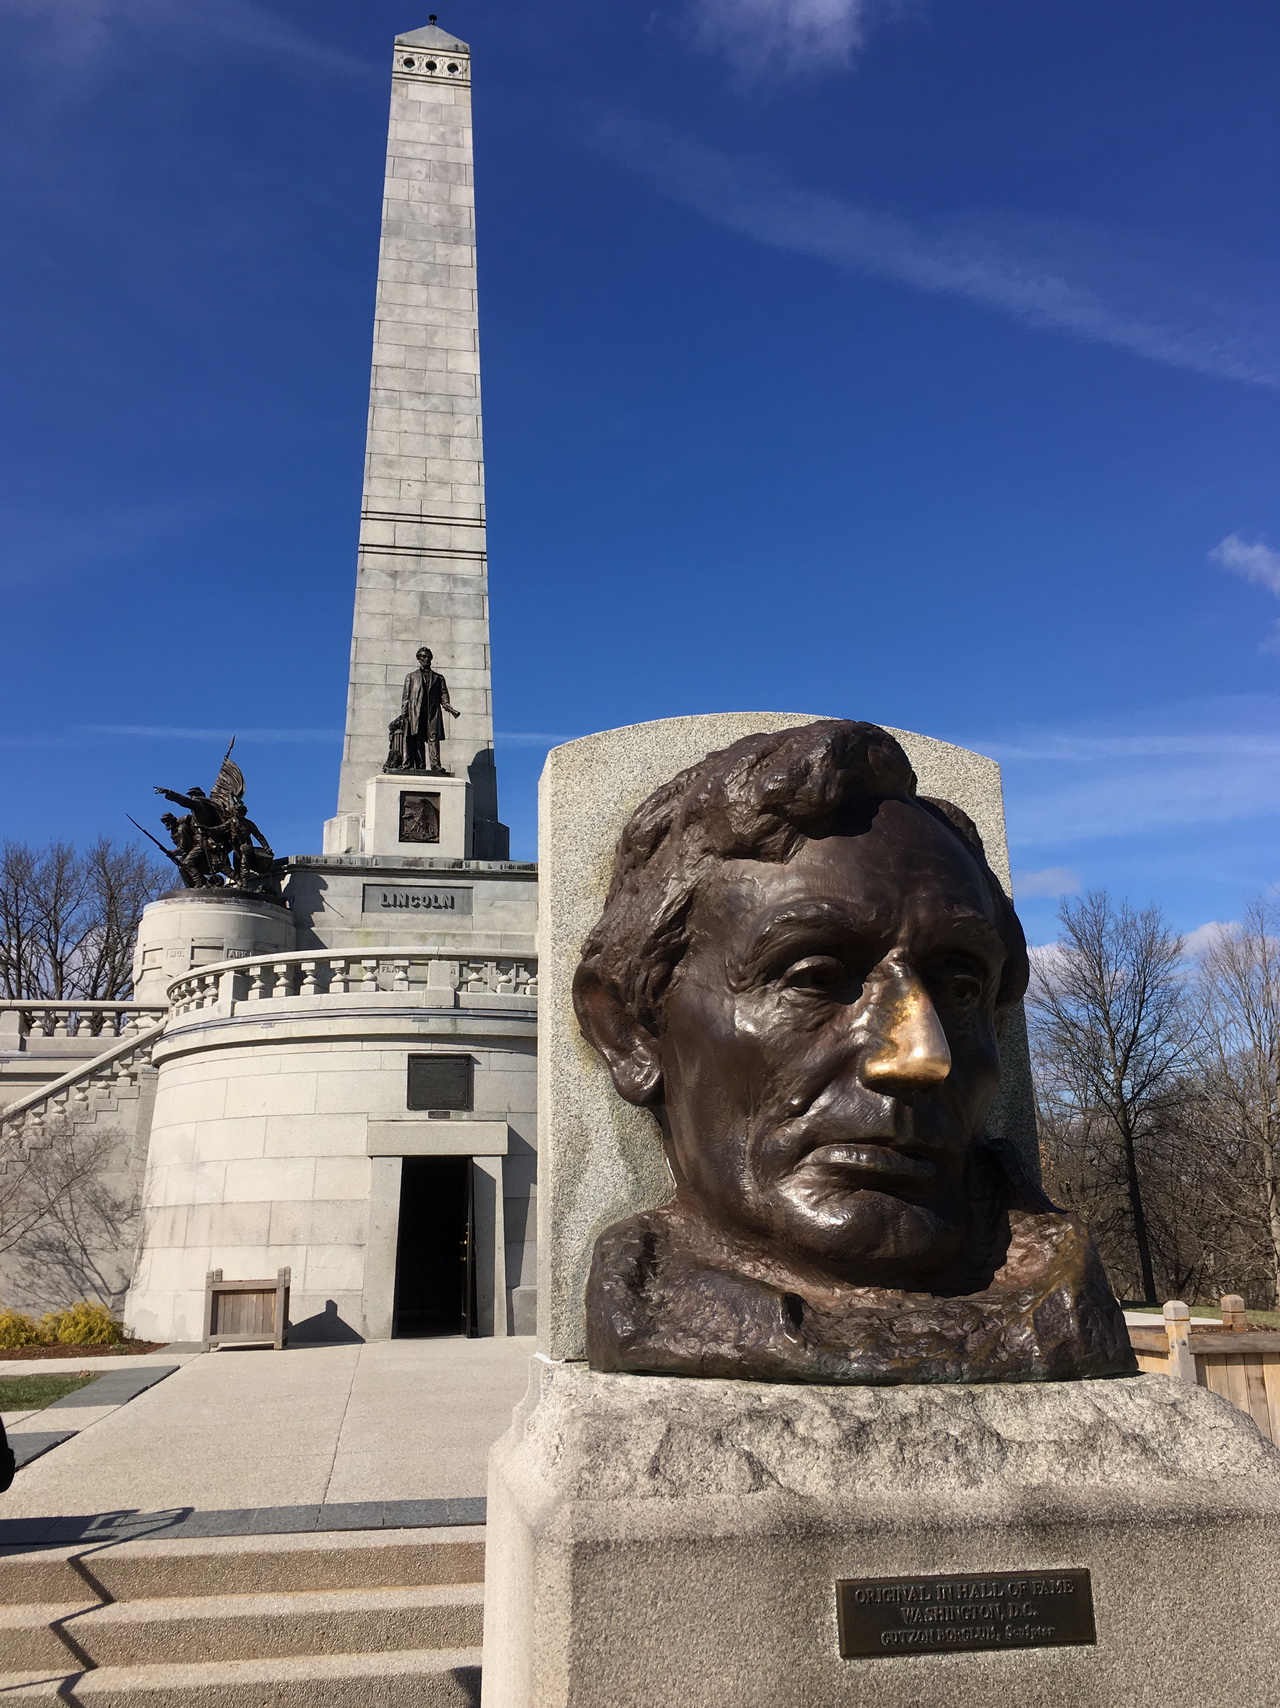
756	800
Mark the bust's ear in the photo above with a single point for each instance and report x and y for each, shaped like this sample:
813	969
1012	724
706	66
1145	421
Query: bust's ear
630	1052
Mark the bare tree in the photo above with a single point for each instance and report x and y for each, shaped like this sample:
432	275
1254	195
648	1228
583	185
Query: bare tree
119	882
41	1164
18	949
1240	989
68	1209
1112	1037
60	918
68	919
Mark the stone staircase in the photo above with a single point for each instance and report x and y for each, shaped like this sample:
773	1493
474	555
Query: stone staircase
103	1103
363	1619
91	1090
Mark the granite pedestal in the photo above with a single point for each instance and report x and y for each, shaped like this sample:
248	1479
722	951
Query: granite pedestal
193	928
660	1542
398	822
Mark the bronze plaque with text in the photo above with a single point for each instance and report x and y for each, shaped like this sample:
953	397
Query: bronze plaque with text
939	1615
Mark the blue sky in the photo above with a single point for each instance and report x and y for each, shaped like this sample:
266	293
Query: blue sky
911	361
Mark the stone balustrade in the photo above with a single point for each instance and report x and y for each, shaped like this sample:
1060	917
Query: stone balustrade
102	1080
37	1018
352	975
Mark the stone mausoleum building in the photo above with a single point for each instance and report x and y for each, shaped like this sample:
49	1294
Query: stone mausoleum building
345	1084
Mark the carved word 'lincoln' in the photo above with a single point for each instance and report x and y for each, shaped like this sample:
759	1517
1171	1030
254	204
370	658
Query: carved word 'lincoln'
802	969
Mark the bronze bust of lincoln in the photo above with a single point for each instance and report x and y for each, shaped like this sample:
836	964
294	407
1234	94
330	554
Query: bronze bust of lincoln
802	969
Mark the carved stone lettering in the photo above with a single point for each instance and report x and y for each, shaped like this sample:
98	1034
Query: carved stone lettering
412	898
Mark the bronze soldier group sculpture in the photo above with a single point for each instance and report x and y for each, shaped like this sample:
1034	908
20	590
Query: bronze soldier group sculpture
416	733
802	969
216	845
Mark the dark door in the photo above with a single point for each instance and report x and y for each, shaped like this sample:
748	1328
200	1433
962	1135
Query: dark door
435	1258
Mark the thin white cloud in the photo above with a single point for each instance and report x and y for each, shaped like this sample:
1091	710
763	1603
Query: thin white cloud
1052	881
1215	761
1208	936
787	35
174	732
529	738
37	546
1137	802
1210	314
84	33
1067	746
1252	560
1046	959
1255	562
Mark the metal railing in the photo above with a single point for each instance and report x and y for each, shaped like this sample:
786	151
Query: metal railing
352	974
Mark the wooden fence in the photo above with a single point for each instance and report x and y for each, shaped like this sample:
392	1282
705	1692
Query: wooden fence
1237	1362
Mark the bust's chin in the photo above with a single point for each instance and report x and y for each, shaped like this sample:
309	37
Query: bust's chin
1019	1294
867	1238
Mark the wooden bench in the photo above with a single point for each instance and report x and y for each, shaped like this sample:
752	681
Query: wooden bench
246	1313
1240	1364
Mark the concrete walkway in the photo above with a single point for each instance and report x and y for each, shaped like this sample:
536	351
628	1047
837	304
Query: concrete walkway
391	1420
9	1369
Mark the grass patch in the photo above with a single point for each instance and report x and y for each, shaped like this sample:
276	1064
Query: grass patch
33	1393
1255	1319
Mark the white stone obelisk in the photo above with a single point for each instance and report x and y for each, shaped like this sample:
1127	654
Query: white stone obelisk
421	578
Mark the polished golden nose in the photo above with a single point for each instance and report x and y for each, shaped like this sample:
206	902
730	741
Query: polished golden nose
908	1045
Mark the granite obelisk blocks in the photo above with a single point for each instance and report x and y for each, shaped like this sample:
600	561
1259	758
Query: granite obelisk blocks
421	576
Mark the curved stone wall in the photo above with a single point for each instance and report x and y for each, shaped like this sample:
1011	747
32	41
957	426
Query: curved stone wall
278	1128
192	928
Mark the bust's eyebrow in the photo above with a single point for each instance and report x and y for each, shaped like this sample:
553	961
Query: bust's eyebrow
797	920
971	932
843	926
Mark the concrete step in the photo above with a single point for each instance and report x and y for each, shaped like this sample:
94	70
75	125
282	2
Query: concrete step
29	1635
31	1576
185	1629
440	1678
242	1565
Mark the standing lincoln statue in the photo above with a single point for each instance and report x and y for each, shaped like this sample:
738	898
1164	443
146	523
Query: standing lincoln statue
418	731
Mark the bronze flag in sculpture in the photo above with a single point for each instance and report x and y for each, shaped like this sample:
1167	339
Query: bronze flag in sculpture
216	844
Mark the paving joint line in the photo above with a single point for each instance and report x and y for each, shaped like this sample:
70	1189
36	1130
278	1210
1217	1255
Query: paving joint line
342	1423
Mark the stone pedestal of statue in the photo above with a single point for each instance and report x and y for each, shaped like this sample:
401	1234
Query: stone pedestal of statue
660	1542
422	814
194	928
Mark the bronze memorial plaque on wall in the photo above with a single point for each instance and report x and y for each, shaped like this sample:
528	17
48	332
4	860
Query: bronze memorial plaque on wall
1002	1610
419	817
